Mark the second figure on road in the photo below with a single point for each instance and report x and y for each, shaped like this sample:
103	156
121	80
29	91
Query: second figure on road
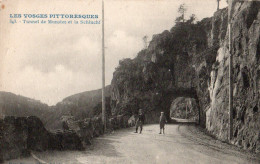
162	122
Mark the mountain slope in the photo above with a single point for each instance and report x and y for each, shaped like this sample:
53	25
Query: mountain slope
82	105
20	106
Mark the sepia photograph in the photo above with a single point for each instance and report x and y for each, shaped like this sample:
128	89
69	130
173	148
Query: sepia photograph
130	81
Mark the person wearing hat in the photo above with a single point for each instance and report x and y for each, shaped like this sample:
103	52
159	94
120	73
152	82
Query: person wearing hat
162	122
140	121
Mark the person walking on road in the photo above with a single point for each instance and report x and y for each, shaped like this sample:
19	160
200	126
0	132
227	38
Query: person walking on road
162	122
140	121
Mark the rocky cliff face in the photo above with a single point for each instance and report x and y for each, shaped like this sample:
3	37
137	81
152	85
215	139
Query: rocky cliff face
174	65
246	74
191	60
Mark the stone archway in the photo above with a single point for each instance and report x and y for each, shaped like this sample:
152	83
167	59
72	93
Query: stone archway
172	94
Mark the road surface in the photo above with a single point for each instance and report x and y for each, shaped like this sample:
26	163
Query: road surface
181	144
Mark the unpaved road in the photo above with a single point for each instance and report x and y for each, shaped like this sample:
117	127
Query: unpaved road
181	144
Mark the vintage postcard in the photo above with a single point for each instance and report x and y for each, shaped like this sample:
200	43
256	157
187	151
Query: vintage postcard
129	81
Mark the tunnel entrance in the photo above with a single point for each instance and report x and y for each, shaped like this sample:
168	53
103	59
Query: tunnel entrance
184	108
175	101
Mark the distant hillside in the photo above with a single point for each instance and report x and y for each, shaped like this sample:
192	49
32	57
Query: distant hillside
82	105
16	105
88	94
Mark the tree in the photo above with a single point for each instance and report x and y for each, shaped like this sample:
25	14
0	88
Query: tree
178	20
182	10
192	19
145	38
218	4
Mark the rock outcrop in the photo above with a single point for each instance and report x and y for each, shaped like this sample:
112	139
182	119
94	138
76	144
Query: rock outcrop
86	129
13	141
191	60
20	135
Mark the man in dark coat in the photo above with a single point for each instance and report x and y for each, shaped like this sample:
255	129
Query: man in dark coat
162	122
140	121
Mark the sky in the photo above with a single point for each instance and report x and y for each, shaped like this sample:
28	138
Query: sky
49	62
